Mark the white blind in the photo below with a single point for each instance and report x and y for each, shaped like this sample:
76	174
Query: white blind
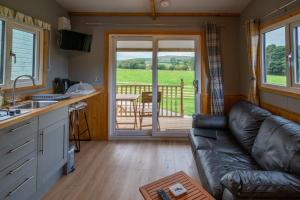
134	44
176	44
23	46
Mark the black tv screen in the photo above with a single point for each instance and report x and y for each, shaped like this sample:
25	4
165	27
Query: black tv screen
70	40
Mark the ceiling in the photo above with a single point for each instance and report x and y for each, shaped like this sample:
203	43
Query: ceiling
180	6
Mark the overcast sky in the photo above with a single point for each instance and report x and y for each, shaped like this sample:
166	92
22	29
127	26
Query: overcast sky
276	37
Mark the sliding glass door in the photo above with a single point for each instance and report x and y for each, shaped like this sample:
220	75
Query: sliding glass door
133	85
175	78
154	85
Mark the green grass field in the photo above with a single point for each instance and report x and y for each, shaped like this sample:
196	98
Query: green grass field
277	80
140	76
165	77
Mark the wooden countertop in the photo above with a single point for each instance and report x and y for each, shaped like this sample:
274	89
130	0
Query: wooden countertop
39	111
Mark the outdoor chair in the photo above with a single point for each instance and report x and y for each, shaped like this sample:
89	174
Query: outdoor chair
146	108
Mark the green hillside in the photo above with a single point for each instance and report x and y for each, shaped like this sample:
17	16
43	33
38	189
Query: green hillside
182	63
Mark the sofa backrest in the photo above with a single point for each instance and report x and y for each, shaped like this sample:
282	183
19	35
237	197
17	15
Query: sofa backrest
245	120
277	145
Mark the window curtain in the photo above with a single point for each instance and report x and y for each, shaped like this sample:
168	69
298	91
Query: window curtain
253	39
215	69
22	18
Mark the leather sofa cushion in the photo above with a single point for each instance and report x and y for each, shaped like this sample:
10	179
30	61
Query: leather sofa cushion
216	164
245	120
209	121
224	141
277	145
255	184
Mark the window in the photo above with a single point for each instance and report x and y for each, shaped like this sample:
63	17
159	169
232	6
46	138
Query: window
21	53
274	64
23	49
296	69
2	30
280	60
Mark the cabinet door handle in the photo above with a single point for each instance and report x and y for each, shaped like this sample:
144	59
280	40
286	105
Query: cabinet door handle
42	142
20	167
18	187
23	126
20	147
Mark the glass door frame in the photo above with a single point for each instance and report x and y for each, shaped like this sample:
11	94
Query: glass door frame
112	86
113	38
197	76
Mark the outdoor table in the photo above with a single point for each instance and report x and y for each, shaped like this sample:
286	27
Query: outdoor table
132	98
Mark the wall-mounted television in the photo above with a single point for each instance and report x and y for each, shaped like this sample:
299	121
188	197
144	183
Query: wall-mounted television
70	40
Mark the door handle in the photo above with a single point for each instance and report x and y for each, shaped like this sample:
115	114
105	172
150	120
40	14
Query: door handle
18	187
20	127
20	147
196	86
12	54
20	167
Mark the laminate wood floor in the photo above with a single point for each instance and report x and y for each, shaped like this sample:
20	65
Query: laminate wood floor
115	170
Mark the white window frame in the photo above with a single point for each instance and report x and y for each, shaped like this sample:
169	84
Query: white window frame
293	33
39	47
291	85
263	55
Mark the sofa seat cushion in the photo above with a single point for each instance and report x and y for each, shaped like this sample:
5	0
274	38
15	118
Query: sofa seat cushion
257	184
224	141
216	164
277	146
245	120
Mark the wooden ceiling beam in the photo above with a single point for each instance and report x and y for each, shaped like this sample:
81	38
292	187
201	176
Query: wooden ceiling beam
157	14
153	9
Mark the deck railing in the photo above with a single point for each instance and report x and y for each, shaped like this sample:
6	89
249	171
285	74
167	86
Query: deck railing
171	104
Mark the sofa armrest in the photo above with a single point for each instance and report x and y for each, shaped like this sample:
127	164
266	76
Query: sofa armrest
209	121
262	184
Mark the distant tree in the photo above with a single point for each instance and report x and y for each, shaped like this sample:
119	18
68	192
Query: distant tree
178	67
172	67
162	67
186	65
173	62
275	59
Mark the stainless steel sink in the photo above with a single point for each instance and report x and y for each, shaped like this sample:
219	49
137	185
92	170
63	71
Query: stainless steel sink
33	104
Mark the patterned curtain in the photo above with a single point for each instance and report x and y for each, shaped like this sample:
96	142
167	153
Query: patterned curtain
215	69
22	18
253	39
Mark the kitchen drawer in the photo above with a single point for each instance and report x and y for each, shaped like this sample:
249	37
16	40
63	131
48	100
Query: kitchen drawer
18	131
22	189
21	168
52	117
13	151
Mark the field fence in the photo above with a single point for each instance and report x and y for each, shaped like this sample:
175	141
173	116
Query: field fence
170	104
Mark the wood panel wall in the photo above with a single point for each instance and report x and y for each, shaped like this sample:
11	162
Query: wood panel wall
229	101
282	112
97	117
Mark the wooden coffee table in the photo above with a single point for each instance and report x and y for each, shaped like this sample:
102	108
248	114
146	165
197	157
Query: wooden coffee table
194	190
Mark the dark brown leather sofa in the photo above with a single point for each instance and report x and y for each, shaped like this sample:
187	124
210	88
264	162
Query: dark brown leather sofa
251	154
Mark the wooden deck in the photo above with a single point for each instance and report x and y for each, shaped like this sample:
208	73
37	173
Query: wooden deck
166	123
